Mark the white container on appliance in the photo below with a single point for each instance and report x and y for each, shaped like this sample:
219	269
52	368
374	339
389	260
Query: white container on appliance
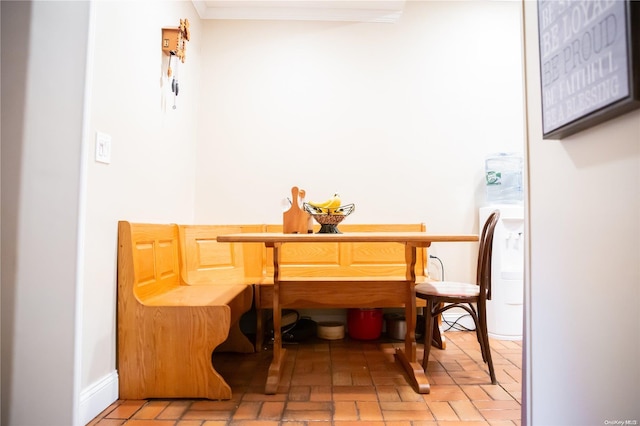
503	178
505	309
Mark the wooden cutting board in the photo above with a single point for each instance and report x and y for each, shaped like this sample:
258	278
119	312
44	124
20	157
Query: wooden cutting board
296	220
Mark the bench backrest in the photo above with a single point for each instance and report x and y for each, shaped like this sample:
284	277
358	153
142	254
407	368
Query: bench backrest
154	258
148	259
206	261
347	259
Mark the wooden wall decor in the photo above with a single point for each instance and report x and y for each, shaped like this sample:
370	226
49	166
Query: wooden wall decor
174	42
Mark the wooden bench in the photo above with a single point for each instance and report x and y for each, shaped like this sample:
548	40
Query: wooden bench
180	296
337	261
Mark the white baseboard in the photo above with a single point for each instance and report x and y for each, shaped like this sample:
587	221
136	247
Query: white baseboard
97	397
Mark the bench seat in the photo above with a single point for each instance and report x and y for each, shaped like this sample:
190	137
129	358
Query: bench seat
168	328
198	296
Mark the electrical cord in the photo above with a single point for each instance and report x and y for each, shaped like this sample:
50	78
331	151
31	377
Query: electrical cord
455	326
441	265
451	325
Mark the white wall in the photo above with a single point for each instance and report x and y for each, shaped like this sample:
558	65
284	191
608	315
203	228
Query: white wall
583	288
397	118
409	102
259	96
152	171
43	93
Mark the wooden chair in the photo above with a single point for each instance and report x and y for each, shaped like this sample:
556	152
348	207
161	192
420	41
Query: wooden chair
444	295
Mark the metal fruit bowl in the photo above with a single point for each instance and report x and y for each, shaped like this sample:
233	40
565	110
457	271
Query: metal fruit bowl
329	218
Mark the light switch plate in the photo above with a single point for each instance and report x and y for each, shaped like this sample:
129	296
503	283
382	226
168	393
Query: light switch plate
103	148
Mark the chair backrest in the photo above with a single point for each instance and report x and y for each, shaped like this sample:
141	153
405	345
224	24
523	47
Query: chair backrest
485	255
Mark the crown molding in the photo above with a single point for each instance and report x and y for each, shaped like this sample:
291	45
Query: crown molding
302	10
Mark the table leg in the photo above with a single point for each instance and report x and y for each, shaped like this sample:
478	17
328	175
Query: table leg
407	358
259	319
275	369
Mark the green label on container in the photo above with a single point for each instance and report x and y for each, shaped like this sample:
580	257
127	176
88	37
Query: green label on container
494	178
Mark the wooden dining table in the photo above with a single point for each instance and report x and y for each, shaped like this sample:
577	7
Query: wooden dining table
351	292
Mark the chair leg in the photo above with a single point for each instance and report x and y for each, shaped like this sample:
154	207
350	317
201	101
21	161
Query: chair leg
478	334
428	332
486	349
483	344
492	372
438	339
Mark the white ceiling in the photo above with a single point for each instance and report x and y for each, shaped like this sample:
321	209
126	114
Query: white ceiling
305	10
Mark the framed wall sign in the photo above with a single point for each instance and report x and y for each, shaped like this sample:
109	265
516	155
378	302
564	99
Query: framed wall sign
589	62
